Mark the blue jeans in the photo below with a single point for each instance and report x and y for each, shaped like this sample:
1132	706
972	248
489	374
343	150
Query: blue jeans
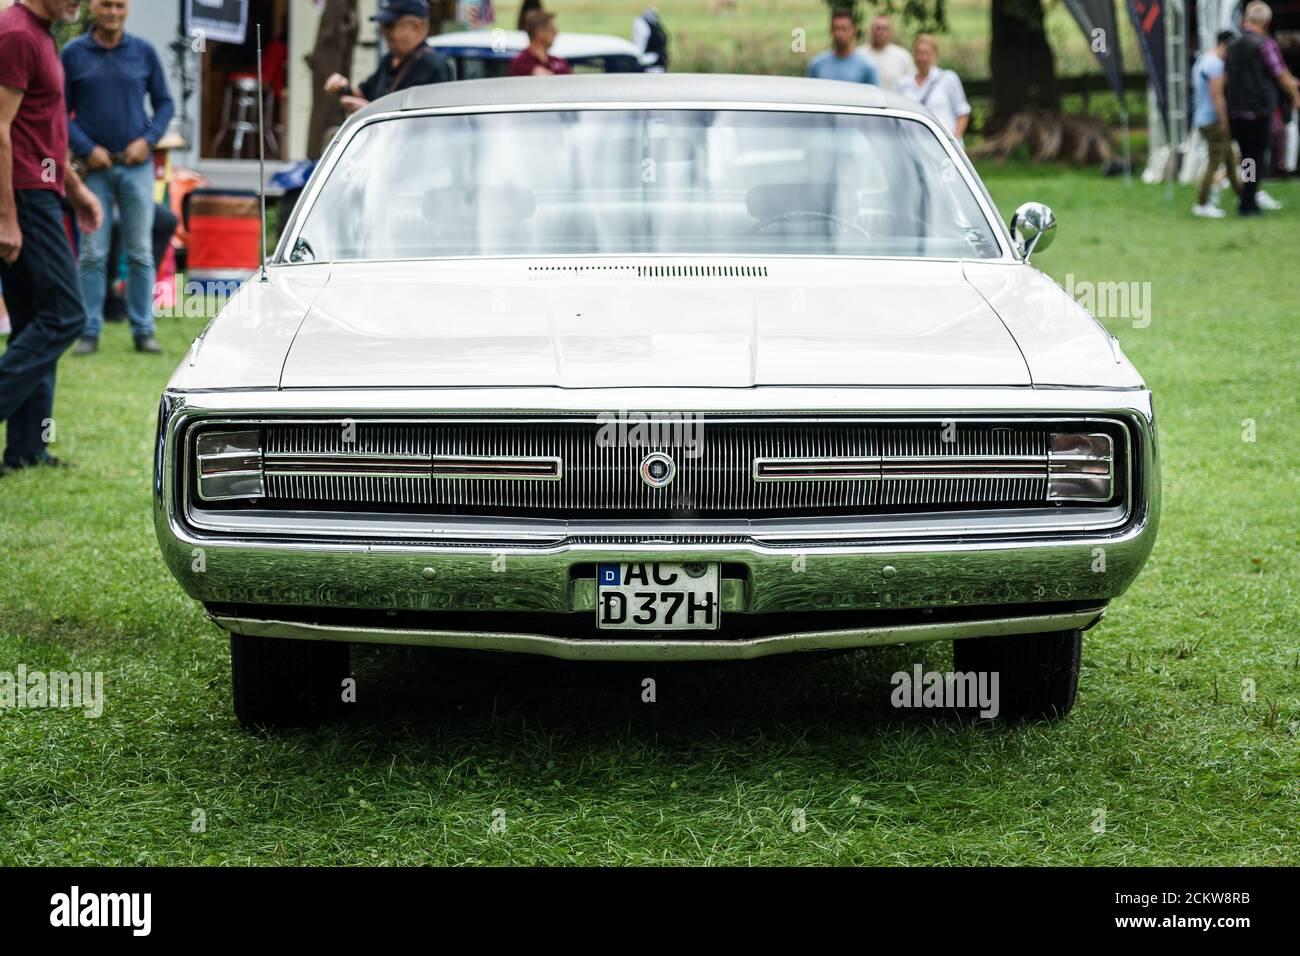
47	316
130	188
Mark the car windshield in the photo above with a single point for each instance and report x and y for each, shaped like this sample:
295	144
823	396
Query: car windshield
608	182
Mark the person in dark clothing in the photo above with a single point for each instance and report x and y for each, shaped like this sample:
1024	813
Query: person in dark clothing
37	268
649	35
405	26
1255	73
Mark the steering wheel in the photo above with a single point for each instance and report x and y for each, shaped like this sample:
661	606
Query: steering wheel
818	216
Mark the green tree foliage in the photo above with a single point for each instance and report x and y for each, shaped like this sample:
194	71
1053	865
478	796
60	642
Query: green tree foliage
929	16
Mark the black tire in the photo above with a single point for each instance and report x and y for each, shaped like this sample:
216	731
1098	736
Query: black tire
1038	674
287	683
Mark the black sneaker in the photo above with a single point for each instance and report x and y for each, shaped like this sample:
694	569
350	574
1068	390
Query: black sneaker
86	345
46	460
147	343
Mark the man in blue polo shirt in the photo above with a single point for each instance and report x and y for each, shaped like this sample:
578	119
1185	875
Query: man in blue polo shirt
109	72
842	61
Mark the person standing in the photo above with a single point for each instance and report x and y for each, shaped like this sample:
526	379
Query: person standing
109	73
651	38
841	61
37	268
938	89
1255	73
405	26
892	62
536	59
1210	114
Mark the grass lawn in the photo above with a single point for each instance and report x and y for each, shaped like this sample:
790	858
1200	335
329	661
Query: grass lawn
580	770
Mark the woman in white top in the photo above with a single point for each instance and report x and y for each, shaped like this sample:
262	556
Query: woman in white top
936	88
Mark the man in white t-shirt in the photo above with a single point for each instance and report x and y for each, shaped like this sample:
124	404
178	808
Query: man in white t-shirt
891	61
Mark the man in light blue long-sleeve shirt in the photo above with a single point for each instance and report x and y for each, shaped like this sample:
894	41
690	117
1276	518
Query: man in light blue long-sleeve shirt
109	74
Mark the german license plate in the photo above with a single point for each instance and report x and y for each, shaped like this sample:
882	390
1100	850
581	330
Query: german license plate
658	597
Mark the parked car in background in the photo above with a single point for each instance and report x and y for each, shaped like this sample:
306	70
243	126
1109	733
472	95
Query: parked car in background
483	54
653	368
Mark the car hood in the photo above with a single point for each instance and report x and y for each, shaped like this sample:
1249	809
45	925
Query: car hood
580	324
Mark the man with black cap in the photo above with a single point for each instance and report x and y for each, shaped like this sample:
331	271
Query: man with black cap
405	26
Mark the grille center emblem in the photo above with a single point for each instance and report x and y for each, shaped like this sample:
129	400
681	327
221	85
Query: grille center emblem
658	469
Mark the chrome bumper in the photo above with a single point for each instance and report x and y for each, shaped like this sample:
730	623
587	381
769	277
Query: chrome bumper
866	572
657	649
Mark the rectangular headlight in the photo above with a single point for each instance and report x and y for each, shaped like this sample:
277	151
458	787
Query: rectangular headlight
1081	467
229	465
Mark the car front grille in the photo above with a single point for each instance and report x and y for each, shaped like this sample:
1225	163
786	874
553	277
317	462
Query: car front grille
588	468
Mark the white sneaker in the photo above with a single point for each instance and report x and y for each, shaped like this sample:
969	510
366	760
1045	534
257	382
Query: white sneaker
1265	201
1208	212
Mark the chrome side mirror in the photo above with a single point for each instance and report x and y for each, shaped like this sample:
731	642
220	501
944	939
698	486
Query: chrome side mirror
1033	228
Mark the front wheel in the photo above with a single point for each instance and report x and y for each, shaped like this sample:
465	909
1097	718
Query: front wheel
1038	674
279	682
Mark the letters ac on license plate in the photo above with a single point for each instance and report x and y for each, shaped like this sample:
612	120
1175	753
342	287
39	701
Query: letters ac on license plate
658	597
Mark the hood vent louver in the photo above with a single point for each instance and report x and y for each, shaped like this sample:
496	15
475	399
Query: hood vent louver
665	271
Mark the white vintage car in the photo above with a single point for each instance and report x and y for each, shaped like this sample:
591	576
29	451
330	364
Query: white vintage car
653	368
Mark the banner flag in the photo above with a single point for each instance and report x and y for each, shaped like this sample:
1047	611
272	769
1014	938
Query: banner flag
1148	18
1097	20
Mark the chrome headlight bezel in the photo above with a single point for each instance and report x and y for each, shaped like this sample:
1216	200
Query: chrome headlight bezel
228	464
1081	467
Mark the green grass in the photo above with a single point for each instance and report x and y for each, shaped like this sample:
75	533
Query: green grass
712	772
756	36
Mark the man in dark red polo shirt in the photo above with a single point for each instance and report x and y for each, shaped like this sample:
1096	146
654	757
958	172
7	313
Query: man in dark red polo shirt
37	268
536	60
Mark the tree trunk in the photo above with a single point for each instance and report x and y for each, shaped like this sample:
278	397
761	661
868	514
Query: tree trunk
1022	68
1045	136
335	38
